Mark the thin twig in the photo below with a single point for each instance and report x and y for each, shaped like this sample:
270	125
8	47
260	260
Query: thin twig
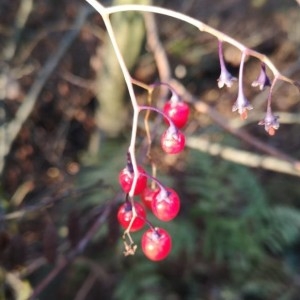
99	271
86	287
21	18
49	201
66	260
39	36
33	266
79	81
245	158
157	48
45	32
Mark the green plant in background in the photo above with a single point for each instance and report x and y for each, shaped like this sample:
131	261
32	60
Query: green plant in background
242	230
227	227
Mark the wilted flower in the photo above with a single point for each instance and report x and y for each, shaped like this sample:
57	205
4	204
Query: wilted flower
263	80
225	77
242	105
270	121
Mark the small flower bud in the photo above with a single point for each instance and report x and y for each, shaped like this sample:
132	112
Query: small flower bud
225	77
263	80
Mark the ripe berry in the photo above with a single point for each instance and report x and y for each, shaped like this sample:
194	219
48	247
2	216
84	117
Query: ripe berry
172	142
156	244
126	179
147	196
178	112
166	205
125	215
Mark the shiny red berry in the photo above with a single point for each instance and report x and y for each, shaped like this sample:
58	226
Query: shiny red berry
147	196
166	205
178	112
172	142
126	179
156	244
125	215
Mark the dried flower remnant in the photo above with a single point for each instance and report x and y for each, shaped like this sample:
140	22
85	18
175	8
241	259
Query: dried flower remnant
270	122
262	80
225	77
242	105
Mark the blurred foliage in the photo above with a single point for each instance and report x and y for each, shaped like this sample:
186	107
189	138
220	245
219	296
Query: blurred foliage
237	235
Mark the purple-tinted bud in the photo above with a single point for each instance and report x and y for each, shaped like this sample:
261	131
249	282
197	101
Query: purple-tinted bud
225	77
263	80
242	104
270	122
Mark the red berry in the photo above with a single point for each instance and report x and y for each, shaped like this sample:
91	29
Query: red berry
166	205
125	215
172	142
178	112
147	196
156	244
126	179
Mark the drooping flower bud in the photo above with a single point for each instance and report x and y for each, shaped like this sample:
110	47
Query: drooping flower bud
225	77
242	104
262	80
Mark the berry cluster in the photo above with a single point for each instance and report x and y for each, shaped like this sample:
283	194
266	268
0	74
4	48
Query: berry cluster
162	201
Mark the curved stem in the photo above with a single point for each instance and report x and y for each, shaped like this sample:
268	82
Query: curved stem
176	15
202	27
144	107
161	187
174	96
194	22
142	85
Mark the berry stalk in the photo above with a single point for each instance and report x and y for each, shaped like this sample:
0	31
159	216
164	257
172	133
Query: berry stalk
131	149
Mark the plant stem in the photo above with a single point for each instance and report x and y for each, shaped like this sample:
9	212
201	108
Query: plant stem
144	107
131	149
202	27
270	94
